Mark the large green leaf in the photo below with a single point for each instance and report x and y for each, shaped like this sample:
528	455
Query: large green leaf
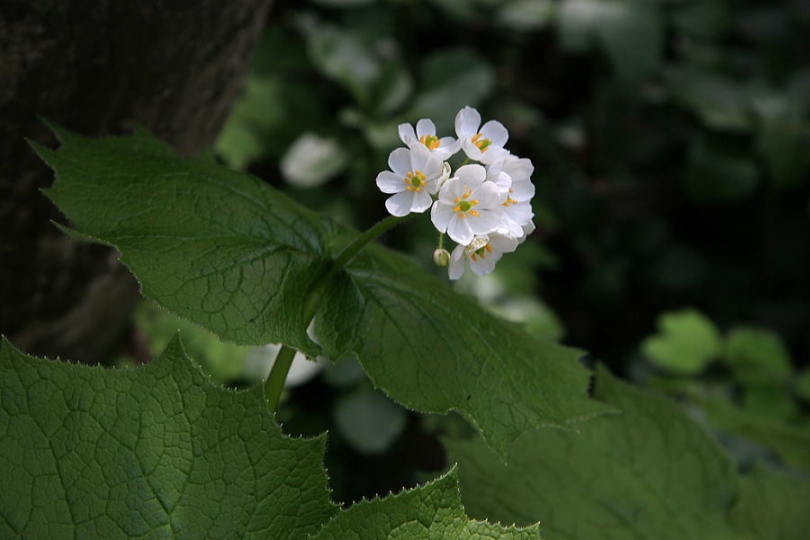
772	506
210	244
648	473
431	512
790	442
156	452
231	254
434	350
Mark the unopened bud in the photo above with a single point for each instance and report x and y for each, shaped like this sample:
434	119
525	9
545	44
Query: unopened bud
441	257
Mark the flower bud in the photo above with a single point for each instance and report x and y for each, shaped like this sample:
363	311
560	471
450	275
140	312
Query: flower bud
441	257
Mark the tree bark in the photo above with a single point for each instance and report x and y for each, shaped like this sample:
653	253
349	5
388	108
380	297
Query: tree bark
99	67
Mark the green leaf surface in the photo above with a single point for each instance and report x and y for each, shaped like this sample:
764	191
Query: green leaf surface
154	452
433	350
239	258
790	442
212	245
772	506
758	356
687	343
648	473
430	512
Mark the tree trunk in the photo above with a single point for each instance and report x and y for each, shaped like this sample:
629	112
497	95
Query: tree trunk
99	67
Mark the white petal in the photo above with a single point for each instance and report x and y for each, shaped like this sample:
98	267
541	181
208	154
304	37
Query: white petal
400	161
425	126
471	176
502	244
400	204
486	222
421	202
389	182
449	145
459	230
489	195
482	266
522	191
423	160
472	151
451	189
407	134
467	122
518	168
440	215
495	132
491	154
521	213
457	263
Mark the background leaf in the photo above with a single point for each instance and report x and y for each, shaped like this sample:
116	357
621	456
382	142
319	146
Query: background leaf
687	343
155	452
758	357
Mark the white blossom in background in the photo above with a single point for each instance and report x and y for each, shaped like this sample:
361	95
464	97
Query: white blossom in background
480	255
484	145
415	177
425	135
485	206
468	205
312	160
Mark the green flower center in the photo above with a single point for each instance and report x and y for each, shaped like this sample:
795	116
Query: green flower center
464	207
415	180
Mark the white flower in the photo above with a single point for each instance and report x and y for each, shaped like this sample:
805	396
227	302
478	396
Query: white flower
485	145
481	255
468	205
414	179
425	135
513	176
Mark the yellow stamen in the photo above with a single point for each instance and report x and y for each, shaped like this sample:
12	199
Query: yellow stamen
482	144
431	141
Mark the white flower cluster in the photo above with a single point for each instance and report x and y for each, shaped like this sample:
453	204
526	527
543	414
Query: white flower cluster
484	207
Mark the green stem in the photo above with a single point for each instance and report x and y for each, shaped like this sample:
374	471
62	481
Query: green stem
278	374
